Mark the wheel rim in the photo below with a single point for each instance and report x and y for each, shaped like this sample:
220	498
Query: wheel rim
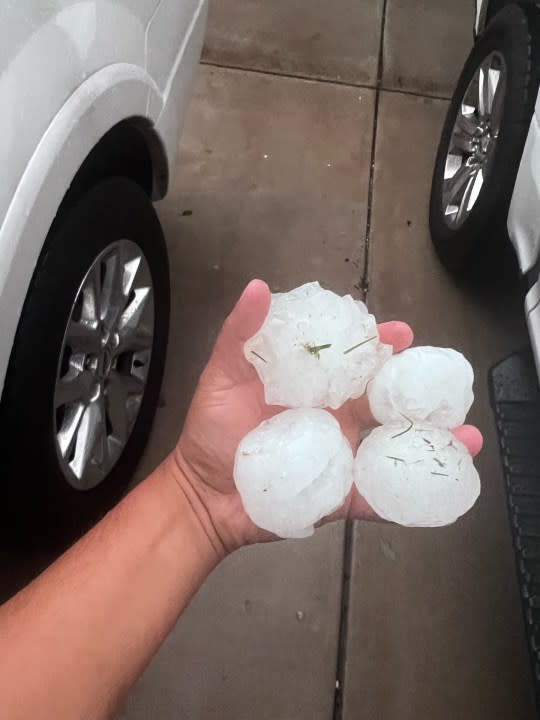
103	365
474	139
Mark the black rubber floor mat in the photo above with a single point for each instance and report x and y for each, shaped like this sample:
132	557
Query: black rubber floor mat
515	397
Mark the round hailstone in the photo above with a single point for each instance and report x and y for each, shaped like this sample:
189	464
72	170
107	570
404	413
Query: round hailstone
423	384
293	470
416	475
316	348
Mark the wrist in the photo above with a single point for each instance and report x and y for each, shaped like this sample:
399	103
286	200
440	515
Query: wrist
176	473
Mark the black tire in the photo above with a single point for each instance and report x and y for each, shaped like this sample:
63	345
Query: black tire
479	241
36	496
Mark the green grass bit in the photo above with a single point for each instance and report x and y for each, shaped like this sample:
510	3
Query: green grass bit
359	344
259	356
316	349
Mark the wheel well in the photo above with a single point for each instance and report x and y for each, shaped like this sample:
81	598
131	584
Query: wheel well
495	6
130	149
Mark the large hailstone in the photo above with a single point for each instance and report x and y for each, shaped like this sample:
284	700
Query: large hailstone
316	348
416	475
423	384
293	470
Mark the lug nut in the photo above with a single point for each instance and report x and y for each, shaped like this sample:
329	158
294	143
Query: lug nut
91	363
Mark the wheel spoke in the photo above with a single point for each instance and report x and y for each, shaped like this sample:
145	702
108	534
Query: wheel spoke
463	142
131	318
141	364
111	278
134	339
464	133
483	88
465	198
100	449
497	106
133	384
73	388
91	296
466	124
488	80
70	425
117	396
453	186
115	285
120	277
131	268
89	435
83	336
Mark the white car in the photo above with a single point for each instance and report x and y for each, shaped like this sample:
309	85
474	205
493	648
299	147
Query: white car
485	191
486	181
93	98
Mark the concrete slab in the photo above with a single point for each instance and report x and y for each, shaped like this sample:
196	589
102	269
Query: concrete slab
275	172
259	640
426	43
320	39
437	632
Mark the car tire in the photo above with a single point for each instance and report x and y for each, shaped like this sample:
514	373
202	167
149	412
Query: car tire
469	205
111	234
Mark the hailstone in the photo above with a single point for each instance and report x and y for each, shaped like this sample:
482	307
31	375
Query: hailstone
316	348
423	384
293	470
419	476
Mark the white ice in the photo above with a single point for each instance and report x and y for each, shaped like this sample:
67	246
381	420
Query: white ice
416	476
424	384
316	348
293	470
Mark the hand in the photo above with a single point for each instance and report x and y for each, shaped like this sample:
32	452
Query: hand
229	403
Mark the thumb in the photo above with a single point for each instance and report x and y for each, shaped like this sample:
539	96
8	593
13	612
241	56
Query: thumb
245	319
249	313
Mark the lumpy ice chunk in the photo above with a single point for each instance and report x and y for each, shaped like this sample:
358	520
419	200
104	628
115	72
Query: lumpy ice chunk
423	384
316	348
293	470
416	476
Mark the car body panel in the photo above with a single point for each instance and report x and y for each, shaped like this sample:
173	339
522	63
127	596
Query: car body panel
480	15
532	310
171	21
523	225
48	50
176	91
95	78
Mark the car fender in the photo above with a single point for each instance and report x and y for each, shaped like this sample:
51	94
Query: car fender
523	213
110	95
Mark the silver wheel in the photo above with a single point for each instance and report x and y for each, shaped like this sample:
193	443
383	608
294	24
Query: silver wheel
103	365
474	139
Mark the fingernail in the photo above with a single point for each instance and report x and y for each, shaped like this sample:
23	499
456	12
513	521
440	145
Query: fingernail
248	289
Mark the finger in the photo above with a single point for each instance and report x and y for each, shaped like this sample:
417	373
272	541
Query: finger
471	437
245	319
396	333
248	314
400	336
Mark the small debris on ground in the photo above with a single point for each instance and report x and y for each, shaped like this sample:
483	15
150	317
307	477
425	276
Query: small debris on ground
387	550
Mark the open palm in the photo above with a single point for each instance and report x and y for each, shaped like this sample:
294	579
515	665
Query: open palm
229	403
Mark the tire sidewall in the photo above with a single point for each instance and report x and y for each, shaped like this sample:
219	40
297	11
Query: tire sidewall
507	34
115	209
